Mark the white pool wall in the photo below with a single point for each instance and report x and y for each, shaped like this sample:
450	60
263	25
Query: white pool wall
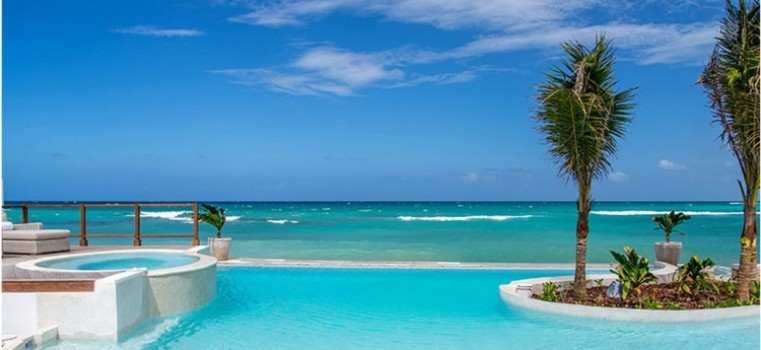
118	303
112	309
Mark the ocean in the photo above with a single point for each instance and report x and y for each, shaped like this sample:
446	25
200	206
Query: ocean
531	232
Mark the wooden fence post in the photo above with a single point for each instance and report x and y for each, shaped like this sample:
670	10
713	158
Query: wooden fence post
196	242
82	226
137	242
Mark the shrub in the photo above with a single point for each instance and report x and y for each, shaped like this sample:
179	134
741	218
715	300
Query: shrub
632	271
549	292
693	274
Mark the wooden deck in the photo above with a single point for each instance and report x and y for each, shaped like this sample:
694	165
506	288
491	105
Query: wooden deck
20	280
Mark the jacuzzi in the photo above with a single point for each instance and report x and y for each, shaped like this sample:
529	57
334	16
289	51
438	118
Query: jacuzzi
142	284
154	260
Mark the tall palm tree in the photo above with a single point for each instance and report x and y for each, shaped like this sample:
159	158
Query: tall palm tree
582	117
731	81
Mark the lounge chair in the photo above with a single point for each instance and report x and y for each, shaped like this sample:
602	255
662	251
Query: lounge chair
31	238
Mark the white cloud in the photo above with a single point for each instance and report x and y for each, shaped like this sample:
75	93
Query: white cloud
282	82
330	70
445	14
509	25
500	26
345	67
669	165
618	176
157	32
470	177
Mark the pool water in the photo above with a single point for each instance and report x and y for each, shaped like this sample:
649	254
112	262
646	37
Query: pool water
321	308
120	261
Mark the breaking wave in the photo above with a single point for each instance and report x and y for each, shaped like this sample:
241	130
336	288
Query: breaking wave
282	222
168	215
184	215
463	218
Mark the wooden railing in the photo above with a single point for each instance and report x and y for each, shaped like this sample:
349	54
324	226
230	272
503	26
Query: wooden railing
137	236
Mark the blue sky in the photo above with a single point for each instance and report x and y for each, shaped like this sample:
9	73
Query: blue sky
341	100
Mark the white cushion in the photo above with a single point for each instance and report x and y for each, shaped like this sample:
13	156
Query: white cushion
7	226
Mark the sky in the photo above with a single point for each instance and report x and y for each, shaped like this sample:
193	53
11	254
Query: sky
346	100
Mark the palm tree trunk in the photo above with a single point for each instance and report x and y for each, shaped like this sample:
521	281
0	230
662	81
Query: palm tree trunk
582	231
748	270
580	276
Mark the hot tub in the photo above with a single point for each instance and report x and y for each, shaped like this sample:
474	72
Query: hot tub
116	261
143	284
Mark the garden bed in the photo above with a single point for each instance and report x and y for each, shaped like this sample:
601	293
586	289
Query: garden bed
666	296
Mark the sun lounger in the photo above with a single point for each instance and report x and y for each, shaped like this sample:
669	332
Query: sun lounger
32	239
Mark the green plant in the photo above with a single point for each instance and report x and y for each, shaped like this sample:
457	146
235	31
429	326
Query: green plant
730	287
693	274
755	292
674	305
582	116
549	291
598	282
667	222
731	82
215	216
632	271
652	304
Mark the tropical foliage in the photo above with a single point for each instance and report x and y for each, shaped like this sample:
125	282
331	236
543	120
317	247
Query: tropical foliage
632	270
693	275
582	116
667	222
549	291
215	216
731	81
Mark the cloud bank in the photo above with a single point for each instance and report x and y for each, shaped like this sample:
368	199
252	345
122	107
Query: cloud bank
496	26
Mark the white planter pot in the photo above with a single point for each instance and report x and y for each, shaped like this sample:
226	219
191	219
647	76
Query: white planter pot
668	252
220	248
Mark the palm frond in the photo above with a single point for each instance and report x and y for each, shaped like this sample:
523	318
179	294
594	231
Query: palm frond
581	115
731	81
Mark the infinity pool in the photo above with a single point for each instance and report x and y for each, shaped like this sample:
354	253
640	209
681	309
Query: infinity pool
321	308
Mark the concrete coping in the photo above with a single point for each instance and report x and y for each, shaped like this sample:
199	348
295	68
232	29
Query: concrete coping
518	293
40	338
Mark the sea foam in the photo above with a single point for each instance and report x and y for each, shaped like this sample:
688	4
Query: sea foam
282	222
184	216
169	215
463	218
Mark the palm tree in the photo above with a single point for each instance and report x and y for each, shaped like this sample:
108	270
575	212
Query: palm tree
667	222
731	81
215	216
582	118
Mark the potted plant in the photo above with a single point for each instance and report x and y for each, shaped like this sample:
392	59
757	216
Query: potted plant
669	251
215	216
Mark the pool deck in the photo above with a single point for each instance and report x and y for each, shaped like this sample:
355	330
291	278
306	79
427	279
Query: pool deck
401	264
11	272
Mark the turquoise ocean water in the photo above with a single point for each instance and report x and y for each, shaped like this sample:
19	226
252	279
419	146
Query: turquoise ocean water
424	231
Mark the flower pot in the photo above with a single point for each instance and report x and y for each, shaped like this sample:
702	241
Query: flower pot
220	248
668	252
